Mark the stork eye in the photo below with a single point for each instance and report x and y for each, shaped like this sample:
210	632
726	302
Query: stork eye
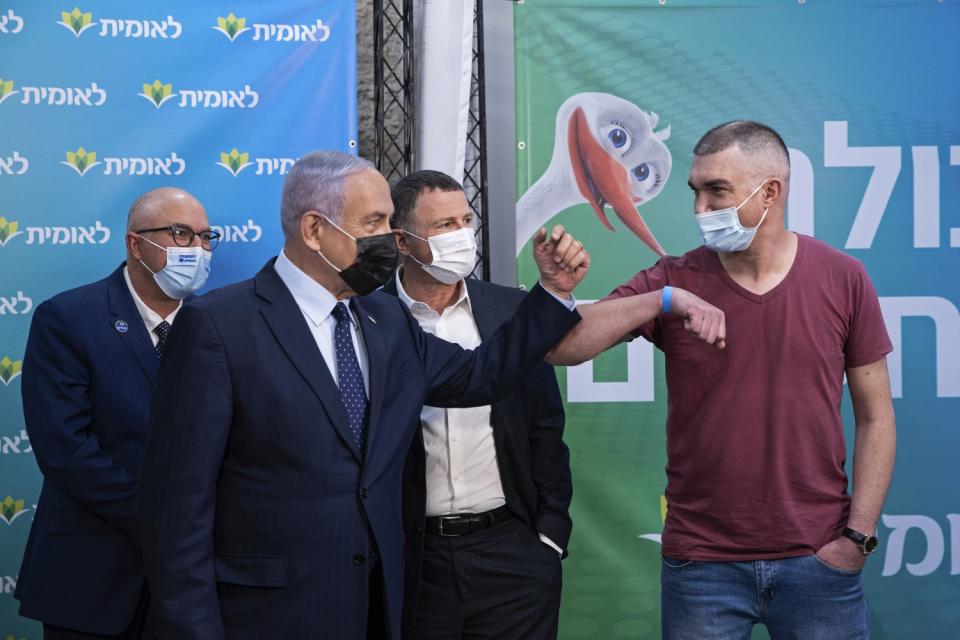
641	172
618	137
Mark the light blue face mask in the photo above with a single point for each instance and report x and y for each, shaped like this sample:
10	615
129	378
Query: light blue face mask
186	270
721	230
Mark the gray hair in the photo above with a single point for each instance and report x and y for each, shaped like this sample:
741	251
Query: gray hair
754	138
315	183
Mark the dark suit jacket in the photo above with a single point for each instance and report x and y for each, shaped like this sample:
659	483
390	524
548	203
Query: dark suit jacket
527	426
257	511
86	395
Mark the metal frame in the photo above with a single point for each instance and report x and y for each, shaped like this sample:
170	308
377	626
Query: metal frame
393	87
395	111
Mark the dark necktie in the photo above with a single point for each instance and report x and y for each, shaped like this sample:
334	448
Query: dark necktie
161	330
353	395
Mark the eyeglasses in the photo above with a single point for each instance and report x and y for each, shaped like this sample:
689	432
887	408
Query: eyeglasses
183	236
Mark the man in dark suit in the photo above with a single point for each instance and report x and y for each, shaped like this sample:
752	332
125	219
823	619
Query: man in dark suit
486	489
88	374
285	407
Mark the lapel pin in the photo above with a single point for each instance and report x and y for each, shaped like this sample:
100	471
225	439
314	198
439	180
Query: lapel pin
121	326
370	318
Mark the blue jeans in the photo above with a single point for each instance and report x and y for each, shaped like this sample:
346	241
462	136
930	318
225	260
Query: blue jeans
796	598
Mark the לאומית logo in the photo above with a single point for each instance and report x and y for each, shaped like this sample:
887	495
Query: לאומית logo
157	92
18	305
6	89
8	21
11	509
231	26
15	165
77	21
9	370
8	229
235	161
81	160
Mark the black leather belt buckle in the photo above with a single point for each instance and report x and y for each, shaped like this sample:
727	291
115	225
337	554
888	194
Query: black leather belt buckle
453	526
463	524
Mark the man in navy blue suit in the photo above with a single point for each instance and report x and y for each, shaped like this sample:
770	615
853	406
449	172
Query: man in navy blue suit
270	503
487	489
90	366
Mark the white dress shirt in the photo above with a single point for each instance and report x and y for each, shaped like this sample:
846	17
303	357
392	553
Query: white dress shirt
150	317
462	474
316	304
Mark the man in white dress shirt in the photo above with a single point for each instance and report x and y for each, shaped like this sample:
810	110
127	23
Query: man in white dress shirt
486	489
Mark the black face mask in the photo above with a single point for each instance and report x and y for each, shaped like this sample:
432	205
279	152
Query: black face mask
375	263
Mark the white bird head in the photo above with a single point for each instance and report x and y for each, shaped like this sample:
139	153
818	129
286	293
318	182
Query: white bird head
613	156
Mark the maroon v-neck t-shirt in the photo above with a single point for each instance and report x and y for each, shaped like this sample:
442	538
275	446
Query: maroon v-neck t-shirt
755	446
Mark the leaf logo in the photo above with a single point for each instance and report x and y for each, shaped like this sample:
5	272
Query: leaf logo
157	93
81	160
8	230
76	21
234	162
11	509
9	370
6	89
655	537
231	26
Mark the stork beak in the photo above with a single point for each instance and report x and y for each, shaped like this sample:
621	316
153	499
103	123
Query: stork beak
602	179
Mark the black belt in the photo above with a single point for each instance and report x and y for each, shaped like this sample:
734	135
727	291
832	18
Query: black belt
463	524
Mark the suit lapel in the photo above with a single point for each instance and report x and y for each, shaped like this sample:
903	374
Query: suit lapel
290	329
486	314
128	325
489	316
372	336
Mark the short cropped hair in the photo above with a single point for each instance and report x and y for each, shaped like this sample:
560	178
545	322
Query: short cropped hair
409	189
753	138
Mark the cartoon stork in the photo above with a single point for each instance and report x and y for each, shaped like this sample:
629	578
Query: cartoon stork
605	152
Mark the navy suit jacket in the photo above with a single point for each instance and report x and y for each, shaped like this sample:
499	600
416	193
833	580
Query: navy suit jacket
257	512
86	388
533	460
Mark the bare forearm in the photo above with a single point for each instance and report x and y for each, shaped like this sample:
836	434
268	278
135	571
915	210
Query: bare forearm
603	325
874	452
874	445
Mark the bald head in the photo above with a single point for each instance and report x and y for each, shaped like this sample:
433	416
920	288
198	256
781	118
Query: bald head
762	147
163	207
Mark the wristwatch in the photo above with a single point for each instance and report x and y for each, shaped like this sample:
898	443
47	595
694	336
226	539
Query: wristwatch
866	544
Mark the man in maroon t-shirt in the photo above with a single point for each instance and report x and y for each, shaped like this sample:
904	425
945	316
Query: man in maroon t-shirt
760	528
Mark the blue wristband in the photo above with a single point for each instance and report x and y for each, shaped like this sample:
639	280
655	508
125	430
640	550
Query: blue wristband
665	298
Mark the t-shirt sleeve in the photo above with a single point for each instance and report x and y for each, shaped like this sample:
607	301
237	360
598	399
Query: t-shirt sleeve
867	339
643	282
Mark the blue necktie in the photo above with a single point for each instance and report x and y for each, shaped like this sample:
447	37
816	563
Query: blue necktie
353	396
161	330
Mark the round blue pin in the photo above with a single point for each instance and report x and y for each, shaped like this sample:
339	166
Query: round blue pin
121	326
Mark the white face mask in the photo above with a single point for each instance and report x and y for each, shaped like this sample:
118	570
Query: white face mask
186	271
721	230
454	255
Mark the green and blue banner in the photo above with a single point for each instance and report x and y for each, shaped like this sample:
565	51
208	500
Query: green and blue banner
102	101
866	97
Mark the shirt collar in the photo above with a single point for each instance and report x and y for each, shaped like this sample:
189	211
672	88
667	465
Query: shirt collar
314	300
150	317
462	299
